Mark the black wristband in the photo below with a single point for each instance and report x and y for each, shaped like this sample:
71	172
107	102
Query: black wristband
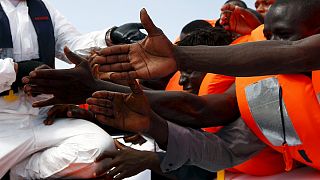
24	68
108	37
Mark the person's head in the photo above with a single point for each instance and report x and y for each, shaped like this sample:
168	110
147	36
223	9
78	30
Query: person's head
191	80
193	26
292	20
237	3
263	6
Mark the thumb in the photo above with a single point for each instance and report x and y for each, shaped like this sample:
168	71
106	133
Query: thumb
74	58
119	145
148	24
135	87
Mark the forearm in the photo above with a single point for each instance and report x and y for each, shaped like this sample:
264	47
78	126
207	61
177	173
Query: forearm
233	145
184	108
194	111
252	59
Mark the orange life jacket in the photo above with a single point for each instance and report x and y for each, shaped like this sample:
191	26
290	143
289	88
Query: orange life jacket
241	39
173	84
260	104
268	161
257	34
316	83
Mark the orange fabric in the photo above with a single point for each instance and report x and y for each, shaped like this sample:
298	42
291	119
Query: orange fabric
303	109
212	22
220	84
215	84
268	161
257	34
173	84
316	81
84	106
241	39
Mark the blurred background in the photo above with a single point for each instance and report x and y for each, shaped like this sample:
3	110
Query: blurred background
169	15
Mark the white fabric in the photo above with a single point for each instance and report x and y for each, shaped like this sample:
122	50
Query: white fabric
7	74
66	145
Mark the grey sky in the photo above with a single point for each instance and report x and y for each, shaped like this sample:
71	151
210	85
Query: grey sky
169	15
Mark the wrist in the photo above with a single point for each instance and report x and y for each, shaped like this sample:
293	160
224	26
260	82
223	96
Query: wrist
158	130
178	56
153	161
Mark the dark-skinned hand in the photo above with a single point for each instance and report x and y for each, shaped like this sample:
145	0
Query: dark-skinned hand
237	19
128	112
126	162
68	86
67	111
150	58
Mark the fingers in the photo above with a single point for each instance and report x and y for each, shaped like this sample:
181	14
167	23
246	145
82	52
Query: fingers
44	66
48	102
100	102
104	94
106	154
104	162
251	19
109	59
101	110
49	74
52	113
119	145
113	50
135	87
148	24
228	7
123	75
74	58
79	113
118	67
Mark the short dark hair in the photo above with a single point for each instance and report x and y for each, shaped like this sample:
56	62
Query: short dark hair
195	25
239	3
212	36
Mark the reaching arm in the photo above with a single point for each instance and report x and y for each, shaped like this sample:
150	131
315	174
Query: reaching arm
195	111
253	59
156	57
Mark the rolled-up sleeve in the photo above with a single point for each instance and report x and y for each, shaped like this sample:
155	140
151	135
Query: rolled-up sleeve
233	145
7	74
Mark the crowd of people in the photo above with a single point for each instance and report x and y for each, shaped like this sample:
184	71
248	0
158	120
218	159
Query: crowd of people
238	93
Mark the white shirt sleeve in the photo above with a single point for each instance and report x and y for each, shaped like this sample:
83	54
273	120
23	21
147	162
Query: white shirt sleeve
232	145
7	74
67	35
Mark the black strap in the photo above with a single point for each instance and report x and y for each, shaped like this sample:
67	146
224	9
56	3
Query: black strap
5	31
282	116
42	22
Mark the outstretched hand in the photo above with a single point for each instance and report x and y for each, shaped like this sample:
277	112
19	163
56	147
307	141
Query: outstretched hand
68	86
126	162
128	112
238	19
150	58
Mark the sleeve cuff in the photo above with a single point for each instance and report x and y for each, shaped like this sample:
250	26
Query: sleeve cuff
177	148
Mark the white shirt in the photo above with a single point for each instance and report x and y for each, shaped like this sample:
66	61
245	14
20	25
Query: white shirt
25	46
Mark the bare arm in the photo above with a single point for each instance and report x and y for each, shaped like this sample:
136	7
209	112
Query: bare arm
253	59
195	111
187	109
